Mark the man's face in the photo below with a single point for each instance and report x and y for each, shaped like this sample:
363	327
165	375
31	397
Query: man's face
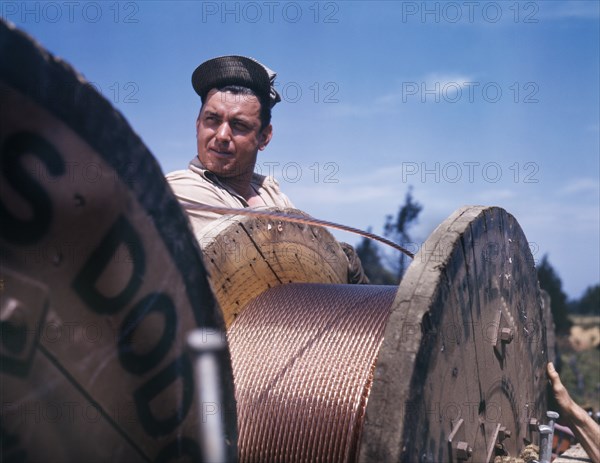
228	134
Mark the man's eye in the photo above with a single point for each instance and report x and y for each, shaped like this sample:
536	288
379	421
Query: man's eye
211	118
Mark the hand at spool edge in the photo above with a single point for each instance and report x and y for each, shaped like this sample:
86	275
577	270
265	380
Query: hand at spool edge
583	426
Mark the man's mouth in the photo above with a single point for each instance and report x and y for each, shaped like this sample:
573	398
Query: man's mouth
220	153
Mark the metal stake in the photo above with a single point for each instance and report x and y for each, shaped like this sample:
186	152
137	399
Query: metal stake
552	417
545	443
206	345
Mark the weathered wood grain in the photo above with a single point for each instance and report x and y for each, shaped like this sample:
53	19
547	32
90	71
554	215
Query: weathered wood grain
101	279
244	256
440	361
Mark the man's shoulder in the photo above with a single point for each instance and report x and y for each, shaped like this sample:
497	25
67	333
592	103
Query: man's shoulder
186	182
184	176
264	180
193	171
178	174
269	186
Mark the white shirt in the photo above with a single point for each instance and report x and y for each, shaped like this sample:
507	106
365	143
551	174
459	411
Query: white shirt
196	185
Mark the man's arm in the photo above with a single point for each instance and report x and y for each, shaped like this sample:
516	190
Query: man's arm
356	274
583	426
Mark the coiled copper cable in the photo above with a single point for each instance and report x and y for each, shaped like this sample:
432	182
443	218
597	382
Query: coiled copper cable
303	357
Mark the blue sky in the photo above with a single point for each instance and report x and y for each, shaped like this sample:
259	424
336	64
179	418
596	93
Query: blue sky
488	103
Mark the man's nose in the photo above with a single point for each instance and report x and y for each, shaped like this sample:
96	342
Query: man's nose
224	132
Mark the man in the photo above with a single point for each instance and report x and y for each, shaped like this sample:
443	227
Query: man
233	125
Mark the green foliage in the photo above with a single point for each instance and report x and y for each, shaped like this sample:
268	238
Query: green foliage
589	304
397	229
370	258
581	376
550	281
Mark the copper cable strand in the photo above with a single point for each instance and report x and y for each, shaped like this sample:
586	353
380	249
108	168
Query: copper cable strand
295	219
293	409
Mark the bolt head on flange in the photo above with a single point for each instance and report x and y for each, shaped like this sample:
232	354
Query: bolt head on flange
506	335
463	450
533	424
13	313
504	433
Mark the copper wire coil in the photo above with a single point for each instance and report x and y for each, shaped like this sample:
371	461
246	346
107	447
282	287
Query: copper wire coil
303	357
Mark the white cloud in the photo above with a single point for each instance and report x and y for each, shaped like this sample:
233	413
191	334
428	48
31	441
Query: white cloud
579	186
445	80
438	86
435	85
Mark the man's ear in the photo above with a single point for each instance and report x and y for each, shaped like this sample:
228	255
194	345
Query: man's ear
198	123
265	137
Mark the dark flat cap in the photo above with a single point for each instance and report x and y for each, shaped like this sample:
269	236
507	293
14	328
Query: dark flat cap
235	70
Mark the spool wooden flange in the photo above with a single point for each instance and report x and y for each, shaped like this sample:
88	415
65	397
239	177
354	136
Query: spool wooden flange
464	353
244	256
100	279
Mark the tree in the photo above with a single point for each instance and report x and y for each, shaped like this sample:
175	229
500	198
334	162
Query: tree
370	258
550	281
397	230
589	304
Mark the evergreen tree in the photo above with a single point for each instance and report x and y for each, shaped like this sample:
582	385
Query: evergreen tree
550	281
589	304
370	258
397	229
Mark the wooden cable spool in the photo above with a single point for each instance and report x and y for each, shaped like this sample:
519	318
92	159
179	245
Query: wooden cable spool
100	279
449	361
460	368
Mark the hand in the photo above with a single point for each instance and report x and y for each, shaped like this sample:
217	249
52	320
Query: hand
583	426
566	404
